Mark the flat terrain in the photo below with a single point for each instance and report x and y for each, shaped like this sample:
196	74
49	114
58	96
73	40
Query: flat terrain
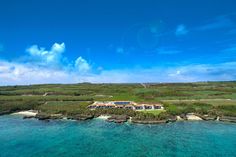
204	97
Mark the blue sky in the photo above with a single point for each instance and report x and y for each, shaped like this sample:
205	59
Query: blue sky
69	41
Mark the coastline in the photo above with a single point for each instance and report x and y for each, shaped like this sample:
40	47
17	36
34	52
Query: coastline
137	105
122	118
103	117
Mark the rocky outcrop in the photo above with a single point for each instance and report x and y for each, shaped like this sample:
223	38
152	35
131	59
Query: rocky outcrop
123	118
28	117
149	121
208	117
82	117
228	119
172	119
5	112
56	116
118	118
43	116
183	116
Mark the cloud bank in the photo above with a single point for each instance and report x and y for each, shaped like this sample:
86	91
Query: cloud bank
48	66
18	74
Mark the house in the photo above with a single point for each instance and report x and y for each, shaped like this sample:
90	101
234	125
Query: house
138	107
148	107
125	104
92	107
110	106
101	106
120	106
158	107
152	106
129	107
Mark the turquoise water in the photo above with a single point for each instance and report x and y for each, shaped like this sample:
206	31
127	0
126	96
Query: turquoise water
95	138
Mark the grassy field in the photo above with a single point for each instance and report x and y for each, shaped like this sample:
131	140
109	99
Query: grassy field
54	107
204	97
215	102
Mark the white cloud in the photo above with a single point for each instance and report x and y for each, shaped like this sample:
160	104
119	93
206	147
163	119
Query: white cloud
82	65
53	58
40	55
15	73
181	30
43	66
55	49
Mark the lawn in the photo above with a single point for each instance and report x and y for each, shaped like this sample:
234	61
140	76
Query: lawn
154	112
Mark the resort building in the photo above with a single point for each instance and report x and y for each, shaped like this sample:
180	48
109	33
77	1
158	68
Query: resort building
148	107
126	105
129	107
139	107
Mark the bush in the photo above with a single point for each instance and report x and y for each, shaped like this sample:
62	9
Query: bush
18	105
184	108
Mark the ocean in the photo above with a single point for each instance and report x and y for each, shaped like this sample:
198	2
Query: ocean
98	138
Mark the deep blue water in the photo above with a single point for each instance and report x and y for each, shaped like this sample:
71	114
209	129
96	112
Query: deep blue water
97	138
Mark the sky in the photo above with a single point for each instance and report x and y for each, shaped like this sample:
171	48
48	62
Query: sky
117	41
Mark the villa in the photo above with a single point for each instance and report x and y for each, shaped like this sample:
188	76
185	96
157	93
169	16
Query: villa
129	107
139	107
126	105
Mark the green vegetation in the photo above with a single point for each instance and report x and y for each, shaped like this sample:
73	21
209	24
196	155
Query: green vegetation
154	112
183	108
12	106
66	107
216	98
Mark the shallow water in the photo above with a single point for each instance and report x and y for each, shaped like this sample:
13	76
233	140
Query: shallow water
97	138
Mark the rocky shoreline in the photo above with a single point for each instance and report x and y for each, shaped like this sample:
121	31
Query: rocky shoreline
228	119
118	118
5	112
124	118
149	121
